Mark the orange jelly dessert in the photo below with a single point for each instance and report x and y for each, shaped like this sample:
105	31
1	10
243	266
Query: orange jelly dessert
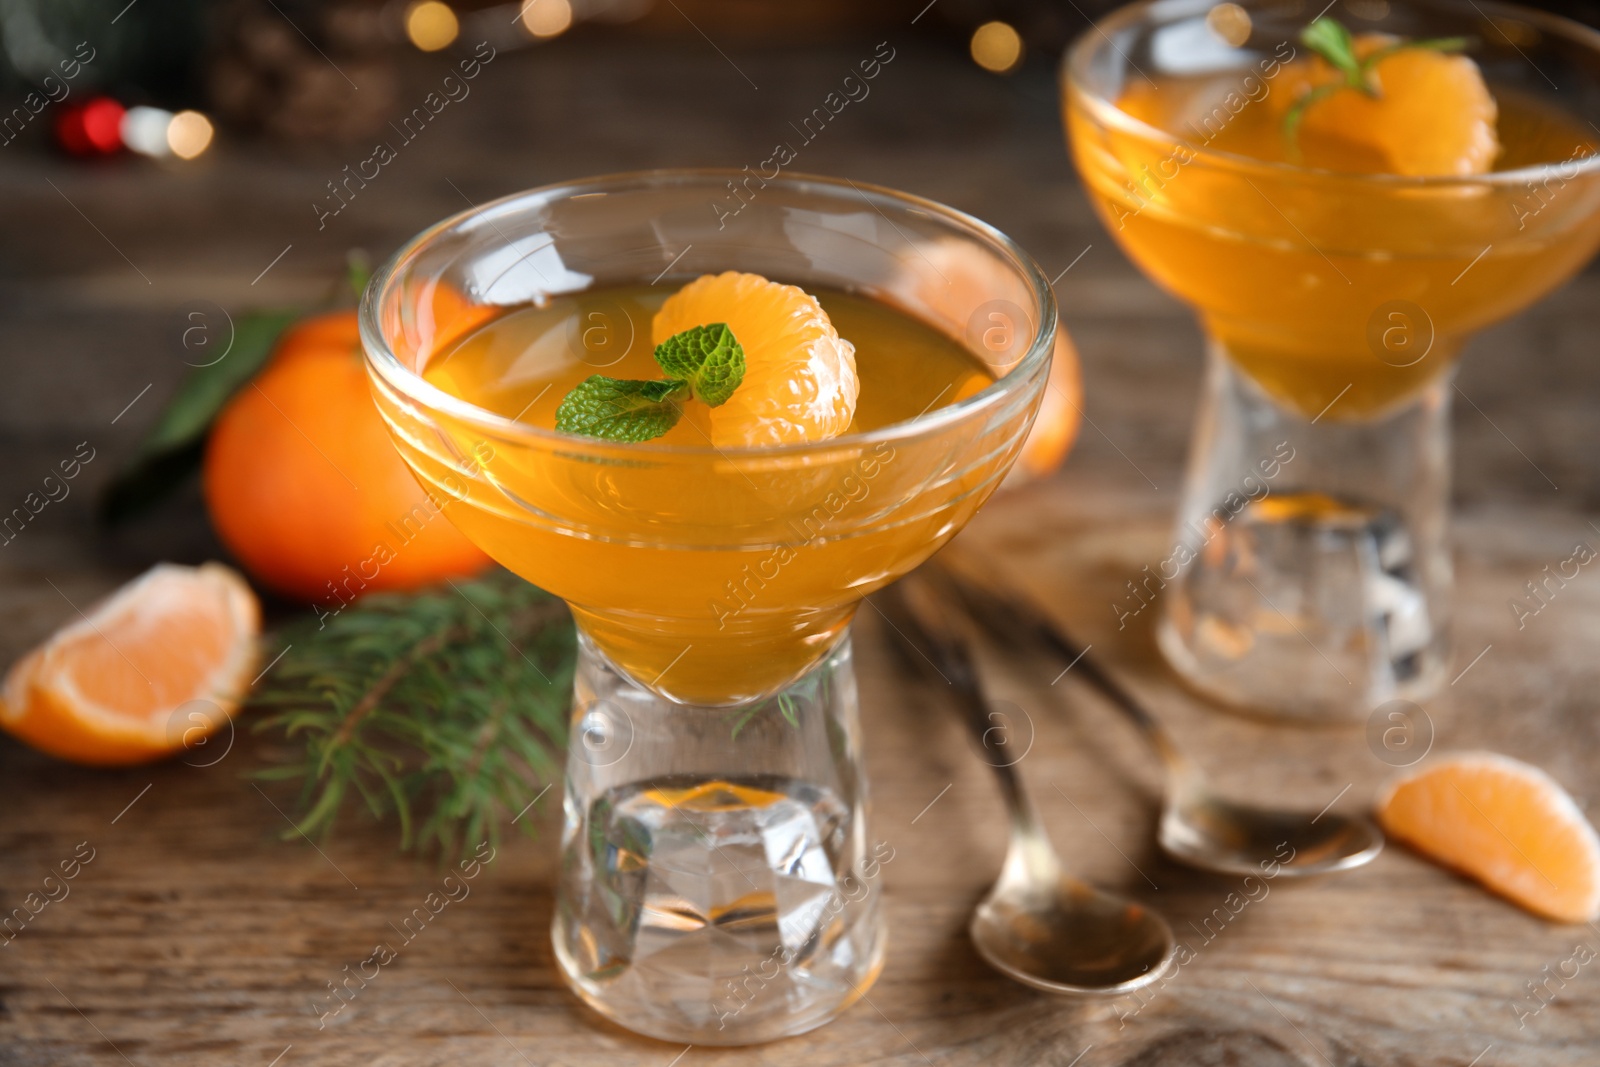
798	538
1322	215
712	438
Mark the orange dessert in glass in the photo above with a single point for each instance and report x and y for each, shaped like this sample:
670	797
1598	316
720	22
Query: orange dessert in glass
712	439
1343	207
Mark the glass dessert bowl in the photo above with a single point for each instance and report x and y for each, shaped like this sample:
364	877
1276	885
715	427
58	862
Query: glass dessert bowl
718	877
1339	250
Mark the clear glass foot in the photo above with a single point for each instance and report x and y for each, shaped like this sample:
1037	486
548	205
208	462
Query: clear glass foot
717	883
1310	574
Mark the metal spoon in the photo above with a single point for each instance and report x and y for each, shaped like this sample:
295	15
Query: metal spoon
1038	925
1197	826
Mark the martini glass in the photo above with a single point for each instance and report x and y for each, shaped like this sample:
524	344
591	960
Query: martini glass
1309	577
719	883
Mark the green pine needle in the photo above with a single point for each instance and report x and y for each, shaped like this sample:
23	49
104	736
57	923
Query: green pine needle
790	704
442	709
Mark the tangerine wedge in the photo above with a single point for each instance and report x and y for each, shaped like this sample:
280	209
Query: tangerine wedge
155	668
1507	824
800	379
1432	116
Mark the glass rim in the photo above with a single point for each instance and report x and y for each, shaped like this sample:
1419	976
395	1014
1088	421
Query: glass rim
380	357
1077	57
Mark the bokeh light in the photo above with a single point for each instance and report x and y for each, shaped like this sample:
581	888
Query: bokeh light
1231	23
996	46
144	130
93	128
547	18
189	134
431	25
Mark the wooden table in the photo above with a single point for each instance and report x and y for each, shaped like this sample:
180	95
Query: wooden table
194	936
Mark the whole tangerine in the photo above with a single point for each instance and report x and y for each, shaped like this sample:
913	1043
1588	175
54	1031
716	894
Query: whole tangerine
305	487
1055	428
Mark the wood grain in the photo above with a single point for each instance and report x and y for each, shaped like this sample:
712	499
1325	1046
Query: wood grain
195	936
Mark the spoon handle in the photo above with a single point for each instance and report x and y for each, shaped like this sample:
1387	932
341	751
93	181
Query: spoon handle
932	641
1009	613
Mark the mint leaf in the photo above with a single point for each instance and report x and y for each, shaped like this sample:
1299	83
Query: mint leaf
1329	39
708	358
705	362
621	409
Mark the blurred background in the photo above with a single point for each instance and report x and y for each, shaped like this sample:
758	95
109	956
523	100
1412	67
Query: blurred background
168	164
314	72
301	71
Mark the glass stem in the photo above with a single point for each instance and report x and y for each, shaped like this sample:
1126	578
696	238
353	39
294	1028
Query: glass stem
1309	576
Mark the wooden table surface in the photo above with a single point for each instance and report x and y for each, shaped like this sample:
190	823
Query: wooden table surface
194	936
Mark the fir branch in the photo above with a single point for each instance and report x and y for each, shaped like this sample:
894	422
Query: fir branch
414	705
791	703
428	646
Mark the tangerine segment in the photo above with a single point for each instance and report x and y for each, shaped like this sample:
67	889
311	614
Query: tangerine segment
800	379
1507	824
1433	116
156	667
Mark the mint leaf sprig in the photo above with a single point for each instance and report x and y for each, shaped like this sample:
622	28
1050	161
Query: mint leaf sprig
1330	39
704	362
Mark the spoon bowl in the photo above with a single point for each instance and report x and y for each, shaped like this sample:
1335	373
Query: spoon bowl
1070	938
1205	830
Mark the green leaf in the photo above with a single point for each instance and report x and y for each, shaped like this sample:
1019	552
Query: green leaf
172	449
705	362
358	271
1329	39
621	409
709	358
208	387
